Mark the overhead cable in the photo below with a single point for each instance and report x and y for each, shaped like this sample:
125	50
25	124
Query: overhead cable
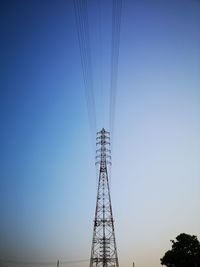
38	263
82	25
115	42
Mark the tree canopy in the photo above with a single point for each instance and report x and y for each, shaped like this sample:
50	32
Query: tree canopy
185	252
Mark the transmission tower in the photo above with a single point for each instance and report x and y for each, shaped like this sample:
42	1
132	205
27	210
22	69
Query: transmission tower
104	250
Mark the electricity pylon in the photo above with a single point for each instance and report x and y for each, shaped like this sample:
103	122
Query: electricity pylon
104	250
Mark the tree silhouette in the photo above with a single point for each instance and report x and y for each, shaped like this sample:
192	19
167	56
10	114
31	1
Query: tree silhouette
185	252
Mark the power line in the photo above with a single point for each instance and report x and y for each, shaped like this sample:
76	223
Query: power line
81	13
115	42
43	263
82	25
75	261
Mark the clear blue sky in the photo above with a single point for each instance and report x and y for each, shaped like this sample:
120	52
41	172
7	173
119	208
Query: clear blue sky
48	178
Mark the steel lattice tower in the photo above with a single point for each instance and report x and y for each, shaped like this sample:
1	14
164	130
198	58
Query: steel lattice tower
104	250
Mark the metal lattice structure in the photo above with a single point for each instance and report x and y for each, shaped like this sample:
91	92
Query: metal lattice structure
104	250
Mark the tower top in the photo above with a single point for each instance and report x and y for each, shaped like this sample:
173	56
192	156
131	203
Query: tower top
103	152
103	131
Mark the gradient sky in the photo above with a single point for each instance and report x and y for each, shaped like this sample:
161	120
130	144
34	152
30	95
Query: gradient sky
48	178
